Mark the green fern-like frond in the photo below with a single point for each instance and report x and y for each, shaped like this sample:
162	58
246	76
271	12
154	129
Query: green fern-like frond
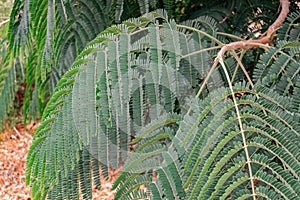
213	154
11	73
70	25
7	77
125	79
154	160
137	84
49	35
222	151
281	66
11	67
296	96
290	31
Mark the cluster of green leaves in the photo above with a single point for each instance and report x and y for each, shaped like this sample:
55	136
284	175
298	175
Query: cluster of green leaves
48	36
138	83
44	39
147	83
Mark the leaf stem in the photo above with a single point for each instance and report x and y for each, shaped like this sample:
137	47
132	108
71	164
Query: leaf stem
200	51
201	32
230	35
220	59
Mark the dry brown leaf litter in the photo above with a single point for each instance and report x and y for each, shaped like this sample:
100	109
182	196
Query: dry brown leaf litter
14	145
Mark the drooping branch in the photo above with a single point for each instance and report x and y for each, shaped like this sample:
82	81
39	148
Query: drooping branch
268	38
251	43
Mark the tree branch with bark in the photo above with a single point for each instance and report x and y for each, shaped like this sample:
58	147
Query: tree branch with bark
268	38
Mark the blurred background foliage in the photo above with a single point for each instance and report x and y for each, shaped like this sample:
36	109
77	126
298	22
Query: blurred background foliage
42	44
5	8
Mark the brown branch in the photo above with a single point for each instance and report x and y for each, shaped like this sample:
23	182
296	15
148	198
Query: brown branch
246	45
268	38
249	43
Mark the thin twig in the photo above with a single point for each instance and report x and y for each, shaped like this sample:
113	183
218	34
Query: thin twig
243	68
4	22
201	32
237	65
246	45
17	132
200	51
231	36
220	60
268	38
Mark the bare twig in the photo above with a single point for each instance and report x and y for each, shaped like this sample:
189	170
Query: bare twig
220	59
268	38
4	22
247	45
17	132
251	43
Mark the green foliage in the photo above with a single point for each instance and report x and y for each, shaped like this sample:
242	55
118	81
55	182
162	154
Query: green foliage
198	132
49	35
11	70
120	89
140	80
44	38
281	67
207	155
246	18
